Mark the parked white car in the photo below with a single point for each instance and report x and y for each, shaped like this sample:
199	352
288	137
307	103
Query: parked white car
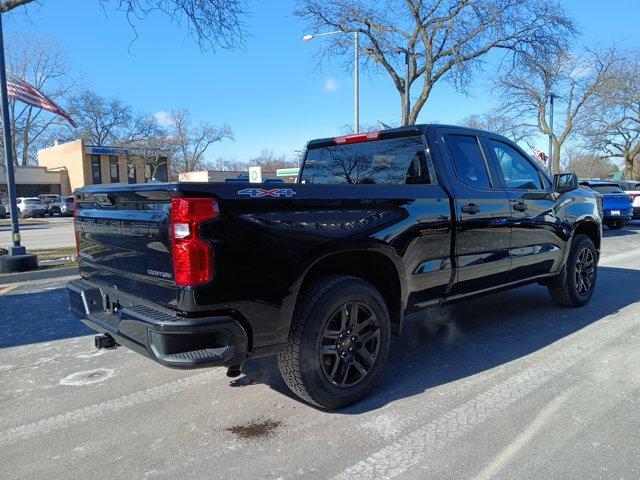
30	207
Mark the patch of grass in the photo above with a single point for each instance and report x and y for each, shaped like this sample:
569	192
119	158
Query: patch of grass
55	253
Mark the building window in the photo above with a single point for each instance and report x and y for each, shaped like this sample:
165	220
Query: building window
114	171
161	170
96	173
131	172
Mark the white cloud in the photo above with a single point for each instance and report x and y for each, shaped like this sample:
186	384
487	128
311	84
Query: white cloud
163	118
331	85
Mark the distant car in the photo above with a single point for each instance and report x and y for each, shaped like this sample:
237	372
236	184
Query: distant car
3	211
617	204
47	198
30	207
635	196
63	207
626	185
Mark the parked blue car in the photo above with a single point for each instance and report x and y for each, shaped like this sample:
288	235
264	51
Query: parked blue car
617	204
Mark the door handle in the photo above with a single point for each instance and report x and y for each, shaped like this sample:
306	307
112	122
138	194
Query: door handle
470	208
520	206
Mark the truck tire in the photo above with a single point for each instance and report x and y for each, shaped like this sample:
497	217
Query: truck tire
615	224
338	342
575	285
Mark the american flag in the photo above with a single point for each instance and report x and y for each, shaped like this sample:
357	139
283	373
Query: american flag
540	154
19	89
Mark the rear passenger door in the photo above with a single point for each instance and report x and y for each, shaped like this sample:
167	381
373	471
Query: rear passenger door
535	245
483	213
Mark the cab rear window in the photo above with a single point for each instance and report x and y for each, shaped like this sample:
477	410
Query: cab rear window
394	161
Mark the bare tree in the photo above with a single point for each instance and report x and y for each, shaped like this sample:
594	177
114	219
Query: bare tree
110	121
450	38
192	142
574	81
42	63
509	127
213	23
588	165
269	161
612	128
6	5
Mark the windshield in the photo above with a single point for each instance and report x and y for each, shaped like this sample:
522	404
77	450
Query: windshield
391	162
32	201
607	189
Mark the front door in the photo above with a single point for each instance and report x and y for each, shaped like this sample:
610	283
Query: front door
535	245
483	214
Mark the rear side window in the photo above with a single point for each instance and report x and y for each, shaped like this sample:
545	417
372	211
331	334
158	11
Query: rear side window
394	161
518	172
468	160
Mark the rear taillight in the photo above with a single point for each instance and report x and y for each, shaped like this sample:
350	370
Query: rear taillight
192	256
75	228
357	138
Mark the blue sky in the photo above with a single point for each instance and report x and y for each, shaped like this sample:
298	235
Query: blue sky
272	93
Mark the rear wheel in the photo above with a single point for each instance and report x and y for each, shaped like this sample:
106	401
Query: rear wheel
615	224
338	343
575	285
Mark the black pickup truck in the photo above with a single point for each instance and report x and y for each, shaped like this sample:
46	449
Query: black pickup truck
323	271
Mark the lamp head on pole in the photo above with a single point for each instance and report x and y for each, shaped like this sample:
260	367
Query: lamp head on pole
307	37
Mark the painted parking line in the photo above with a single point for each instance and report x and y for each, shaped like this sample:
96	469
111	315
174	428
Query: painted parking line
8	288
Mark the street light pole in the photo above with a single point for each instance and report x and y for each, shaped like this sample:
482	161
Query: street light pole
407	100
356	71
551	97
356	82
16	249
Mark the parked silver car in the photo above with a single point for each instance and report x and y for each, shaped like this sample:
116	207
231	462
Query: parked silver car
63	207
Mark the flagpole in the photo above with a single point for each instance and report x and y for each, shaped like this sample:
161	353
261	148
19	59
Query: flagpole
18	260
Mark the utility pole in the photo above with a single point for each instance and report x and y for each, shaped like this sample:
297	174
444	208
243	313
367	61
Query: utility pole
407	100
356	82
551	97
18	260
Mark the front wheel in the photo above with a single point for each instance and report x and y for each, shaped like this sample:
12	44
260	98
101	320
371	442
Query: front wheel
338	342
575	285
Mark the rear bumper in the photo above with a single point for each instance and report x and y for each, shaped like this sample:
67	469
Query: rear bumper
623	218
158	333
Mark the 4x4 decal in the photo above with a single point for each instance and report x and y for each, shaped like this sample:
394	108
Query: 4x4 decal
261	192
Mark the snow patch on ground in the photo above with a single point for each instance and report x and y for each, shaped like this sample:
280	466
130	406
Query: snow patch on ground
384	426
93	353
88	377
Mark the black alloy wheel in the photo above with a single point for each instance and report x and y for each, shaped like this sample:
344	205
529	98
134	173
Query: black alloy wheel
584	271
349	344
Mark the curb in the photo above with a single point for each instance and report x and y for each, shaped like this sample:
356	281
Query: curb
37	275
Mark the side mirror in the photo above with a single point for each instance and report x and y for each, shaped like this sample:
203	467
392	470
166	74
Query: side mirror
565	182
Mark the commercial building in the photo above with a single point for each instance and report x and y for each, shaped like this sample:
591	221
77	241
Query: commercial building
92	165
31	181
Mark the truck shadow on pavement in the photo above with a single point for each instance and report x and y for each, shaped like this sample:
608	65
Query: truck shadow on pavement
445	344
37	317
632	228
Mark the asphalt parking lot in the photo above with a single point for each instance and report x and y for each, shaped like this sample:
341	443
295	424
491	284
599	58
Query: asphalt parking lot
507	386
49	232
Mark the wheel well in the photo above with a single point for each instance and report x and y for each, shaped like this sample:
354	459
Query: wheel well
591	230
375	268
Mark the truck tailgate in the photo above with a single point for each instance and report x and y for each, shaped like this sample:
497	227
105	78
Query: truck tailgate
123	240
